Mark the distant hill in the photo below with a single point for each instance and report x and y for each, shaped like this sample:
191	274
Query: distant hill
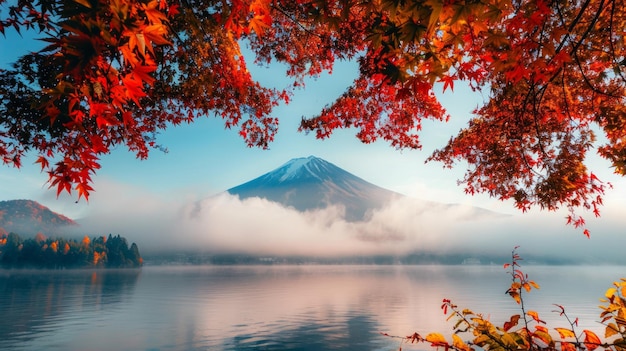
27	217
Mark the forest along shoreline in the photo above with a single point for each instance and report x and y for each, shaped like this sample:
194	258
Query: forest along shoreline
61	253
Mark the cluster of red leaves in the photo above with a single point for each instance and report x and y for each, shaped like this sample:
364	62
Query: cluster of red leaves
118	71
115	72
550	72
554	72
92	75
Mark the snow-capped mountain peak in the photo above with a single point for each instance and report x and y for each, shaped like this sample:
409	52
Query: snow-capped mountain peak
295	167
310	182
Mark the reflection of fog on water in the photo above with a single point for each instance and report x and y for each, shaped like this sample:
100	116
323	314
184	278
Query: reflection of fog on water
266	307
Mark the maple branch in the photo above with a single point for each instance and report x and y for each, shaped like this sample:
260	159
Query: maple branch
468	322
514	263
579	16
189	11
571	323
293	20
617	68
574	51
518	6
586	79
538	131
564	95
531	94
570	28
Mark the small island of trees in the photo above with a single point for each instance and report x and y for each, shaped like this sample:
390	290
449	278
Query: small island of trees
59	253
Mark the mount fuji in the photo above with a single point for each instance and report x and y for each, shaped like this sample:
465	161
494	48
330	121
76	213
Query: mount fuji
312	183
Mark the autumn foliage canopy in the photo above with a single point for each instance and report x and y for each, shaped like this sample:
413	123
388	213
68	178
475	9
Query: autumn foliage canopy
117	71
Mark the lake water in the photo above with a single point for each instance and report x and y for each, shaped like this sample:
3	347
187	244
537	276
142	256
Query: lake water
272	307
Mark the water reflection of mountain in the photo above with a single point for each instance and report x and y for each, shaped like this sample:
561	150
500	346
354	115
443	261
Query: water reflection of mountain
284	308
36	300
359	333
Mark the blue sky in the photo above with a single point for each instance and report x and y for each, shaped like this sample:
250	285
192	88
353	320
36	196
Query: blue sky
204	159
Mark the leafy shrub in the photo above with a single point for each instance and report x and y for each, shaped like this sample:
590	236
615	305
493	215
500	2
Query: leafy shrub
526	331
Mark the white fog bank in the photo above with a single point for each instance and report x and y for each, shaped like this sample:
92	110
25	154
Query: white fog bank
224	223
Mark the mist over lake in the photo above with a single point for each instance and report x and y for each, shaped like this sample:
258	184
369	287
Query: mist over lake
320	307
193	292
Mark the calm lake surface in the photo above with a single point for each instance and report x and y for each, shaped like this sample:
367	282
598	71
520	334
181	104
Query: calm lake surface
272	307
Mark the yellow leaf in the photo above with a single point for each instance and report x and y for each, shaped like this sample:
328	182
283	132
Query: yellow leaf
535	316
481	339
467	311
436	339
459	343
621	314
515	296
610	330
509	340
543	335
565	333
610	292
